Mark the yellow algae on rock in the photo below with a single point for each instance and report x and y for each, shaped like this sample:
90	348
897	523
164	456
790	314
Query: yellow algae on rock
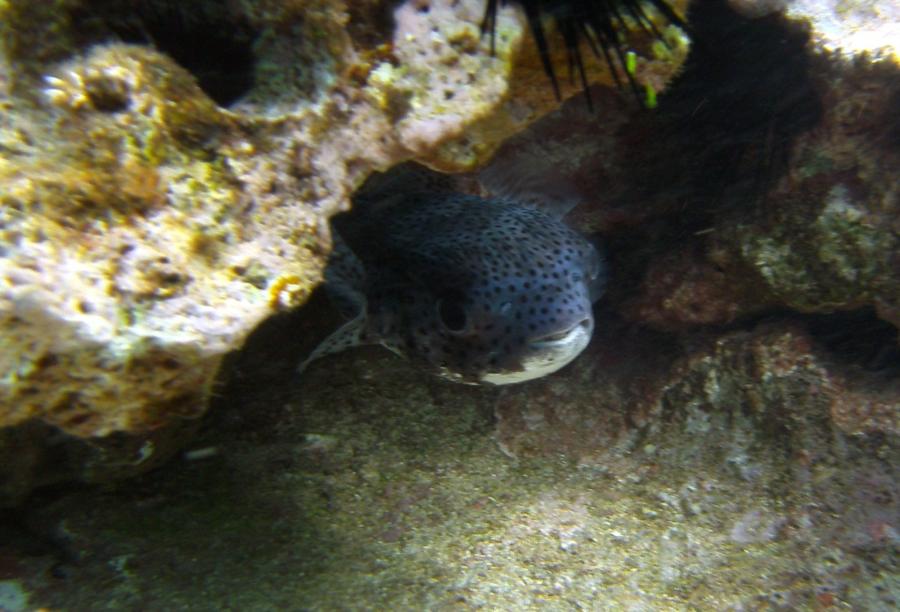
113	319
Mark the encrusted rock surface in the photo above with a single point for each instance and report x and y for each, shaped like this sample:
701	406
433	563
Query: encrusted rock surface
777	376
825	237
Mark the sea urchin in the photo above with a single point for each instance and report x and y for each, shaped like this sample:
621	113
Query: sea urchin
596	21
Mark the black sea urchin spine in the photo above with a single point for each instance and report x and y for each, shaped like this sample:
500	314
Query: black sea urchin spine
596	21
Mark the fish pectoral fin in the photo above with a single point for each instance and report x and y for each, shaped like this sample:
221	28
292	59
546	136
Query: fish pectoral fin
346	336
349	302
345	277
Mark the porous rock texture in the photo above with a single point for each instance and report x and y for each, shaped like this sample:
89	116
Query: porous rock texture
147	229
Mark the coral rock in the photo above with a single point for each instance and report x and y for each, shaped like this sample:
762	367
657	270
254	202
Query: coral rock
147	229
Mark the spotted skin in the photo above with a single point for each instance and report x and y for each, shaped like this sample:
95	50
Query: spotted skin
477	290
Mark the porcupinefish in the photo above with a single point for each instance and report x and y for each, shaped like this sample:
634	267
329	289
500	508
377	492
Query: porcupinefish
478	290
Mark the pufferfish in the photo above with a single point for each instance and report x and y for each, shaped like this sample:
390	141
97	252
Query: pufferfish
477	290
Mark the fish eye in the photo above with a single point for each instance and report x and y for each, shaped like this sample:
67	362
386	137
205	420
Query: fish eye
452	313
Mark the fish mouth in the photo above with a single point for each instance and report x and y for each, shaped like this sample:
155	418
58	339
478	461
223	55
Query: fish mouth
565	337
546	354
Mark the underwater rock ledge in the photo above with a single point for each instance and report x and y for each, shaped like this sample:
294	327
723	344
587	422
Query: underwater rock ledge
147	230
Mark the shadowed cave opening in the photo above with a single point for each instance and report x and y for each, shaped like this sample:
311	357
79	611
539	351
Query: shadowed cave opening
858	337
209	38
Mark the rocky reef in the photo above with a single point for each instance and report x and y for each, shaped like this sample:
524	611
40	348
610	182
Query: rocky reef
728	441
168	176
